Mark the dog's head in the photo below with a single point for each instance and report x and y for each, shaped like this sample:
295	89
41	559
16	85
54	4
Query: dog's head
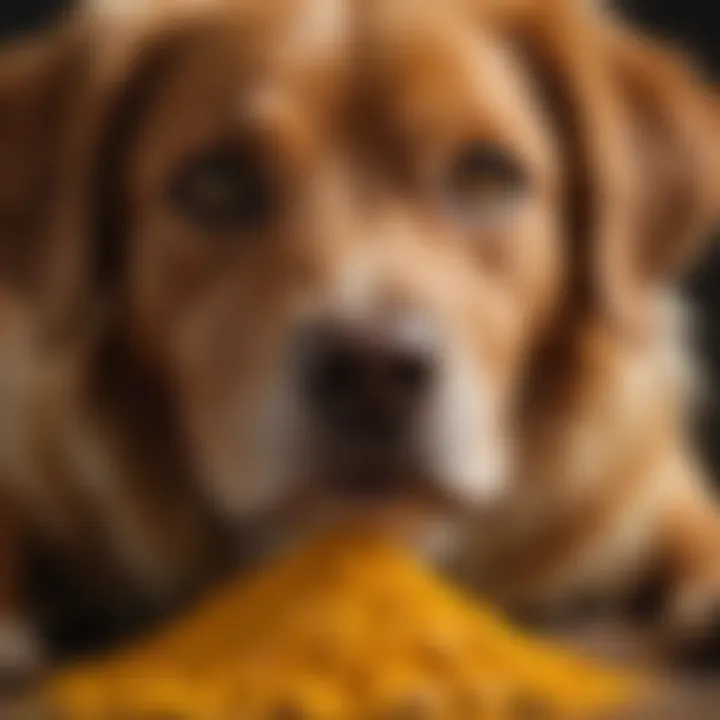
340	231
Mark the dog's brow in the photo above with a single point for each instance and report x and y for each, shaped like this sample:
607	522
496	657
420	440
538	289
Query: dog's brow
320	29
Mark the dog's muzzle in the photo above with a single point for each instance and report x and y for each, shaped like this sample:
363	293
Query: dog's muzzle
365	385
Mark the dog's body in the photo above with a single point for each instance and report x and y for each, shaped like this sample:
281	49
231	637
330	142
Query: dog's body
487	201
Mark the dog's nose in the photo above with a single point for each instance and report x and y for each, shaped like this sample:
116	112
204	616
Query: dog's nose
369	379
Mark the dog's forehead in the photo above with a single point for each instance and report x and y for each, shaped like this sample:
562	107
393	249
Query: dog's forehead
286	41
285	45
318	66
321	26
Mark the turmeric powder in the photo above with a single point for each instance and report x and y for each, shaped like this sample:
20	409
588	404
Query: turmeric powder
349	627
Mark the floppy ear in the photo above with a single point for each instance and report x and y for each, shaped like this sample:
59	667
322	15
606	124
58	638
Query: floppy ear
674	123
640	133
36	88
68	103
81	231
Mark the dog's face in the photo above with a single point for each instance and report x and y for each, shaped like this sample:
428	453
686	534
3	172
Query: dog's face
340	231
339	253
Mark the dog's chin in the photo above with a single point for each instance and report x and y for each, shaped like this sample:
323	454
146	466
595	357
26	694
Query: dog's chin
423	492
408	508
399	502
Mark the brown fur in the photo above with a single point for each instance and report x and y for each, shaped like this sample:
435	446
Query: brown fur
127	330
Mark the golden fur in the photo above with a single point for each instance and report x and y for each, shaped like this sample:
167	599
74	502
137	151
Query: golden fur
145	415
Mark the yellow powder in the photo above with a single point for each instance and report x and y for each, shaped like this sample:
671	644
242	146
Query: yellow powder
349	627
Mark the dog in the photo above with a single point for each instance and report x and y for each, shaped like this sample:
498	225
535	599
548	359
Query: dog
267	263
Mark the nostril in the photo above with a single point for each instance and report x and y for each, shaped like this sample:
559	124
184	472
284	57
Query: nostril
337	373
410	375
348	371
333	373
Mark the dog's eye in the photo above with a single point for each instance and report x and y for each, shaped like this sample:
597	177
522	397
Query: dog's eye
484	182
226	190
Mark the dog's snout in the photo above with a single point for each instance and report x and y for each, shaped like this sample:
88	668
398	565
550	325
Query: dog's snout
369	378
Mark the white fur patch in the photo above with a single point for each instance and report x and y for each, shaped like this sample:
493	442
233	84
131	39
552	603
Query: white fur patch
462	448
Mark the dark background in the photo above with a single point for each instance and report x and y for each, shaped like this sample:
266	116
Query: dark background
690	23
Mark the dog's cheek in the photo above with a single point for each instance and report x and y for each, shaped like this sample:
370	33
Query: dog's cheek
250	451
239	411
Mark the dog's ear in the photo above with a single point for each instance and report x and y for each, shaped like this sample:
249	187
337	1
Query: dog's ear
37	80
68	103
641	134
84	232
674	135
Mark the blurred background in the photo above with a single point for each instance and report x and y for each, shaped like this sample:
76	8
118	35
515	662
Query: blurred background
688	23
